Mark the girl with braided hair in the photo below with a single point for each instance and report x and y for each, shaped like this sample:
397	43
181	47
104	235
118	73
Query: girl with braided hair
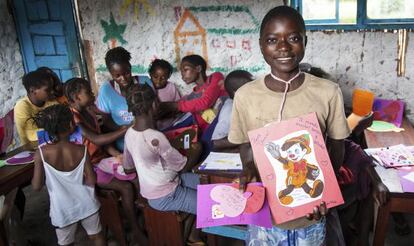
66	169
163	173
110	174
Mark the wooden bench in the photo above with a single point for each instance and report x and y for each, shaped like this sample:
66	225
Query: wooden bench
110	215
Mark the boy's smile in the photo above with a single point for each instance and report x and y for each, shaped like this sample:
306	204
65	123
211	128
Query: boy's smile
283	44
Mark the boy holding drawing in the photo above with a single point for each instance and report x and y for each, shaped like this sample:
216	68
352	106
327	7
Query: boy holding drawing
283	94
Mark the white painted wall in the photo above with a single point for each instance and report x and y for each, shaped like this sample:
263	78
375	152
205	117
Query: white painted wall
366	60
11	66
150	32
355	59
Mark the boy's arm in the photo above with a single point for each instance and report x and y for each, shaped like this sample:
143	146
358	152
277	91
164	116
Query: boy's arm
223	145
336	150
104	138
38	179
249	172
108	122
89	174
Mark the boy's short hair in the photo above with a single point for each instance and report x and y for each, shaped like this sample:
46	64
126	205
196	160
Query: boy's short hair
140	98
73	87
35	79
117	55
285	11
161	63
196	60
235	79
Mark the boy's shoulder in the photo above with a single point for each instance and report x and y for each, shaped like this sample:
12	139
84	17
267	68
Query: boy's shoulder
23	102
321	83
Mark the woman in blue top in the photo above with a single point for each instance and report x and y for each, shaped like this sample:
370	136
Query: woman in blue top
111	98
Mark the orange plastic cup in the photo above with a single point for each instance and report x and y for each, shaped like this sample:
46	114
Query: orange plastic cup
362	101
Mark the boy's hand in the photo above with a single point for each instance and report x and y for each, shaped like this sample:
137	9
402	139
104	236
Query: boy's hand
246	176
380	193
249	172
318	212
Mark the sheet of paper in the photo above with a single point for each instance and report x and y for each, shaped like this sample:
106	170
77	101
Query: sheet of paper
222	161
407	180
210	212
390	177
256	200
230	200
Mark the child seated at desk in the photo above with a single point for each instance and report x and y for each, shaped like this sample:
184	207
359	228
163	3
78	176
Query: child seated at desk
232	83
160	71
38	88
69	177
207	96
110	173
57	87
163	173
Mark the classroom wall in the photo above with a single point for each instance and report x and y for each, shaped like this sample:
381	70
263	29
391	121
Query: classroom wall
11	66
366	60
226	34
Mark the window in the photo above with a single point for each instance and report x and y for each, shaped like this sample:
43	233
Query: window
356	14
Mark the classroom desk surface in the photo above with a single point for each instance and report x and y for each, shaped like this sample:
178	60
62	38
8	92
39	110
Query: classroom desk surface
384	139
14	176
398	202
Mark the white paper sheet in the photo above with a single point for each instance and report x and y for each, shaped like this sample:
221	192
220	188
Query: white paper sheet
222	161
390	178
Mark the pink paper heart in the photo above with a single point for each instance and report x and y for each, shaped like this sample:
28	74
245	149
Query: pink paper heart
231	201
256	200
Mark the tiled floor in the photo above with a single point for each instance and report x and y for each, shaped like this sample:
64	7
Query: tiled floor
37	230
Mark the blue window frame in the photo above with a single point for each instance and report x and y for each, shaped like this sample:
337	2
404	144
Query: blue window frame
362	20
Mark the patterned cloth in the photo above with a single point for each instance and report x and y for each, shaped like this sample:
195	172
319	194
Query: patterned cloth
313	235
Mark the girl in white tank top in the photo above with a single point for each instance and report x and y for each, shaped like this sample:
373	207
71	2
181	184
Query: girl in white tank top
69	177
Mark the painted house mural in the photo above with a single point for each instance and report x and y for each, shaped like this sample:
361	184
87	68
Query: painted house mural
189	37
225	33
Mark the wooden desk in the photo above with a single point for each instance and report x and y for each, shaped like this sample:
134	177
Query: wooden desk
216	176
398	202
12	177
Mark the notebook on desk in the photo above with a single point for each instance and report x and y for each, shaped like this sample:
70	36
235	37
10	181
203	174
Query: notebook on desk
222	161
